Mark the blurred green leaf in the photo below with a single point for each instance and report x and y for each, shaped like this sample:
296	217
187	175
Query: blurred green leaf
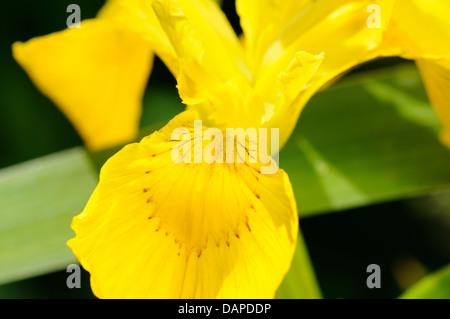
372	139
434	286
300	282
38	200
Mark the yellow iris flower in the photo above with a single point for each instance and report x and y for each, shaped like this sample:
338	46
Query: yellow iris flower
156	229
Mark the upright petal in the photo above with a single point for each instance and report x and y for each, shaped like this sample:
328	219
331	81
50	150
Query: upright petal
262	21
157	229
332	26
95	74
436	77
277	32
208	51
281	87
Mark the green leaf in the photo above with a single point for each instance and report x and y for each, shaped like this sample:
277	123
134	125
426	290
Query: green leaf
371	140
38	200
434	286
300	282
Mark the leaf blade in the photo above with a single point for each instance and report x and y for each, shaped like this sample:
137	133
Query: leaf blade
38	200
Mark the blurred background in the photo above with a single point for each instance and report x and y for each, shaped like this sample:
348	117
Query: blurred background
406	230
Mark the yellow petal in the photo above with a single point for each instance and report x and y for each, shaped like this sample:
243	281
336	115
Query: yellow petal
95	74
209	52
337	28
330	26
418	29
262	21
270	104
282	85
156	229
139	16
436	77
276	32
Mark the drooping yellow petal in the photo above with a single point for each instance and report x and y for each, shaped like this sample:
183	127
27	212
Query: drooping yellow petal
436	77
95	74
157	229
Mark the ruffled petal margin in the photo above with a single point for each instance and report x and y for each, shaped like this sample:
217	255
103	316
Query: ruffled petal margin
157	229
